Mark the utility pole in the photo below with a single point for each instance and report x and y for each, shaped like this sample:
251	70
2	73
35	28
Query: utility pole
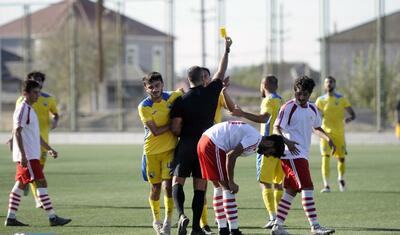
119	37
281	34
221	22
169	58
325	49
380	65
73	39
100	58
203	33
273	51
27	39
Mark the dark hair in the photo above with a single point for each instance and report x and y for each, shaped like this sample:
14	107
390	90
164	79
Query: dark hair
36	74
152	77
304	83
207	70
279	145
331	78
194	74
29	85
271	79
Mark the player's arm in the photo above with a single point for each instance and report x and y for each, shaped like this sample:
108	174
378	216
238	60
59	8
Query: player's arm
230	166
223	63
155	130
45	145
258	118
18	138
322	134
352	114
289	143
54	112
176	126
229	104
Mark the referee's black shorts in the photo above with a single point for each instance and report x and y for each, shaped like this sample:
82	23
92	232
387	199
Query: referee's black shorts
186	162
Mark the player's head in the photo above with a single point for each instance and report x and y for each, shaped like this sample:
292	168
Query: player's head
330	84
153	85
268	83
37	76
205	76
31	90
195	76
303	87
272	145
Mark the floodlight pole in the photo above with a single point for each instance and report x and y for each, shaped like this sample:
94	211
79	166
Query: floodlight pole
203	33
324	49
73	25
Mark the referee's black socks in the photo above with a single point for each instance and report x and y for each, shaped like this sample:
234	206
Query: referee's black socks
197	208
179	198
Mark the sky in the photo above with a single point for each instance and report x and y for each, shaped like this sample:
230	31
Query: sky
246	23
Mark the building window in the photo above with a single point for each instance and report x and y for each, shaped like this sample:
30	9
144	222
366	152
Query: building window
132	55
157	58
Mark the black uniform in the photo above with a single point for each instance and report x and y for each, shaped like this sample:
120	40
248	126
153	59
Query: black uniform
197	110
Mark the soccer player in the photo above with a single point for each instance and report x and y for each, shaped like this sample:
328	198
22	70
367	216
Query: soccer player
218	150
224	102
269	169
191	115
332	106
47	112
296	121
26	153
159	146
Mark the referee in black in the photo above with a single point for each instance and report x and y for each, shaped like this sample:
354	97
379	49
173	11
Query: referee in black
191	115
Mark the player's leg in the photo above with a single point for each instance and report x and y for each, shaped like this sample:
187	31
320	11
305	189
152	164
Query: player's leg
291	189
219	211
179	200
325	167
14	202
153	172
230	208
265	175
307	194
36	173
199	187
278	182
43	158
168	200
340	154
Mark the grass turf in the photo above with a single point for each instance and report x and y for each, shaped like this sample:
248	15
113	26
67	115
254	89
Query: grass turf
101	189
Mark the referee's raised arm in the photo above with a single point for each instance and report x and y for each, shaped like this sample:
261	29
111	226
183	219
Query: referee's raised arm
223	64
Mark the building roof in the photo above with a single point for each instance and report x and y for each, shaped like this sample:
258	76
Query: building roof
51	18
366	32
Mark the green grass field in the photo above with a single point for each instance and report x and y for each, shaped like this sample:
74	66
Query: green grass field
101	189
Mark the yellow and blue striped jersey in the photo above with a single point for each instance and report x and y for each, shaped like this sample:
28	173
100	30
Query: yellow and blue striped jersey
218	111
270	104
159	113
44	107
332	109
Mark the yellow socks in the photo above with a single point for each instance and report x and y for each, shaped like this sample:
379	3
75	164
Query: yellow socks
269	202
341	169
277	196
325	169
169	207
155	209
204	215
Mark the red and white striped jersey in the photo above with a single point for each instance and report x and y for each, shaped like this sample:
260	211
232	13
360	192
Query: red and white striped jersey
227	135
297	124
25	117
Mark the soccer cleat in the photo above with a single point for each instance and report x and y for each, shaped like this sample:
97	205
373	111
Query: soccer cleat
197	232
157	226
182	224
207	229
236	232
14	222
269	224
166	228
278	230
223	231
342	185
326	189
319	230
59	221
